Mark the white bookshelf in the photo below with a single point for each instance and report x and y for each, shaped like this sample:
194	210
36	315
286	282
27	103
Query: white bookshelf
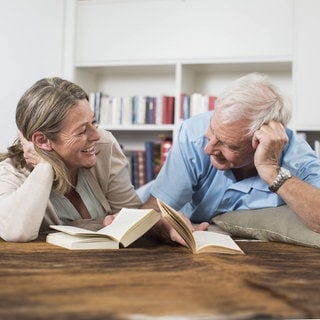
126	48
205	77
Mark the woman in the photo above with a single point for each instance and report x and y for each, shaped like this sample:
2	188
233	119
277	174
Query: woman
62	168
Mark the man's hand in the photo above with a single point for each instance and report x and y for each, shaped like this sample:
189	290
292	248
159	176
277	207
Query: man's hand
165	232
269	141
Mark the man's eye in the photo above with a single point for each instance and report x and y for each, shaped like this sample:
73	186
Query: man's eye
233	148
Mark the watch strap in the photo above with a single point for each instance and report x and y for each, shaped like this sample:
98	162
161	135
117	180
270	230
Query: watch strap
283	175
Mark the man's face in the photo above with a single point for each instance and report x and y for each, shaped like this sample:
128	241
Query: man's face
228	146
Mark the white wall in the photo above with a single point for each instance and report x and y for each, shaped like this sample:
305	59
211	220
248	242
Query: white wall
306	67
31	37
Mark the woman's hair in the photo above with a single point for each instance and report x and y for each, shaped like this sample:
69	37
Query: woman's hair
44	107
254	98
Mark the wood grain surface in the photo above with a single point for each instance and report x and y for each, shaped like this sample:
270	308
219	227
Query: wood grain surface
156	281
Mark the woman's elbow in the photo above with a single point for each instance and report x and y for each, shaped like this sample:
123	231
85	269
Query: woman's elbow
18	236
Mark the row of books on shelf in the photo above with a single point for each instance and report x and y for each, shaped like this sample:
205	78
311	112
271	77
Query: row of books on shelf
128	110
144	165
190	105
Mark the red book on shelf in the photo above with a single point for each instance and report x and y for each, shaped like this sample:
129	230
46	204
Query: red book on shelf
167	109
141	168
211	102
164	149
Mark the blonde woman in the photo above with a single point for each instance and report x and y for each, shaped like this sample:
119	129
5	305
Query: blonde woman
61	168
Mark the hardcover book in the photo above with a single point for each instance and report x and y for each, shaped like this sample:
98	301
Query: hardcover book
127	227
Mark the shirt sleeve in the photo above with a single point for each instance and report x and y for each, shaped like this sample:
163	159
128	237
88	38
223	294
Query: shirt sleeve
186	166
301	160
23	201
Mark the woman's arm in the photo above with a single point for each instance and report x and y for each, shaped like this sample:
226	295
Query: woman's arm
23	202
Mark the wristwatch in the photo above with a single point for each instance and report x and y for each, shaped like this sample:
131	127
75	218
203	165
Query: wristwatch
283	175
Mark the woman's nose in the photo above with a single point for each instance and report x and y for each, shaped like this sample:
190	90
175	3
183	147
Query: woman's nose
95	135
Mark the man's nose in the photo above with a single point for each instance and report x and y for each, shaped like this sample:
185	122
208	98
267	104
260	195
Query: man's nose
211	144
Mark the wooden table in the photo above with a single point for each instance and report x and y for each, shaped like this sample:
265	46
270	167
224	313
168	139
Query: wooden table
156	281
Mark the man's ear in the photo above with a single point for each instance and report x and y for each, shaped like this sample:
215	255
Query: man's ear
41	141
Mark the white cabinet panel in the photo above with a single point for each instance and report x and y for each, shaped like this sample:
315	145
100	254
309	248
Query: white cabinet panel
306	65
168	29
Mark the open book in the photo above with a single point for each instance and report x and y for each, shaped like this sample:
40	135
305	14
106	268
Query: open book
128	226
199	241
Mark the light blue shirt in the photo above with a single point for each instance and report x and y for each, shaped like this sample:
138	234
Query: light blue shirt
188	182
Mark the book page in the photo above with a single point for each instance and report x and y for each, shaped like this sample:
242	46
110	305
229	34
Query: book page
219	242
199	241
178	223
131	224
76	231
81	243
126	220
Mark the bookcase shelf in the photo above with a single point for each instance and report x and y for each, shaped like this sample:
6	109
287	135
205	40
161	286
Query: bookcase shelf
182	49
207	77
139	127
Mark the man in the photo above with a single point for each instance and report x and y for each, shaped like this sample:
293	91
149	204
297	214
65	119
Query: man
241	156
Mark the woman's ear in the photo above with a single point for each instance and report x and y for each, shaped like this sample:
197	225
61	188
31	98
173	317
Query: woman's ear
41	141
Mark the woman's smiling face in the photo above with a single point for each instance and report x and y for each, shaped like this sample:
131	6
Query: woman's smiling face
76	141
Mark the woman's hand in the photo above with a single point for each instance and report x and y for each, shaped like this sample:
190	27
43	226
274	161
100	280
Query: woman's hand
31	156
108	219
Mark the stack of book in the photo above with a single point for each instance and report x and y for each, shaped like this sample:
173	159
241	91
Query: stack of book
130	110
195	103
145	164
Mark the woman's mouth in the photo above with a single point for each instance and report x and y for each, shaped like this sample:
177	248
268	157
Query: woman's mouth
90	150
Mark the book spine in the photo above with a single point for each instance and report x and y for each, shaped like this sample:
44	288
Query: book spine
166	145
149	161
141	168
97	105
168	103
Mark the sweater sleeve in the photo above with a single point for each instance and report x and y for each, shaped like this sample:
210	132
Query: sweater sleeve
23	201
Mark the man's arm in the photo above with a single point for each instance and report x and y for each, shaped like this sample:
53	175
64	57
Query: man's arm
151	203
300	196
304	200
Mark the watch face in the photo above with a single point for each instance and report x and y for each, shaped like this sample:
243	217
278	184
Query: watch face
285	172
